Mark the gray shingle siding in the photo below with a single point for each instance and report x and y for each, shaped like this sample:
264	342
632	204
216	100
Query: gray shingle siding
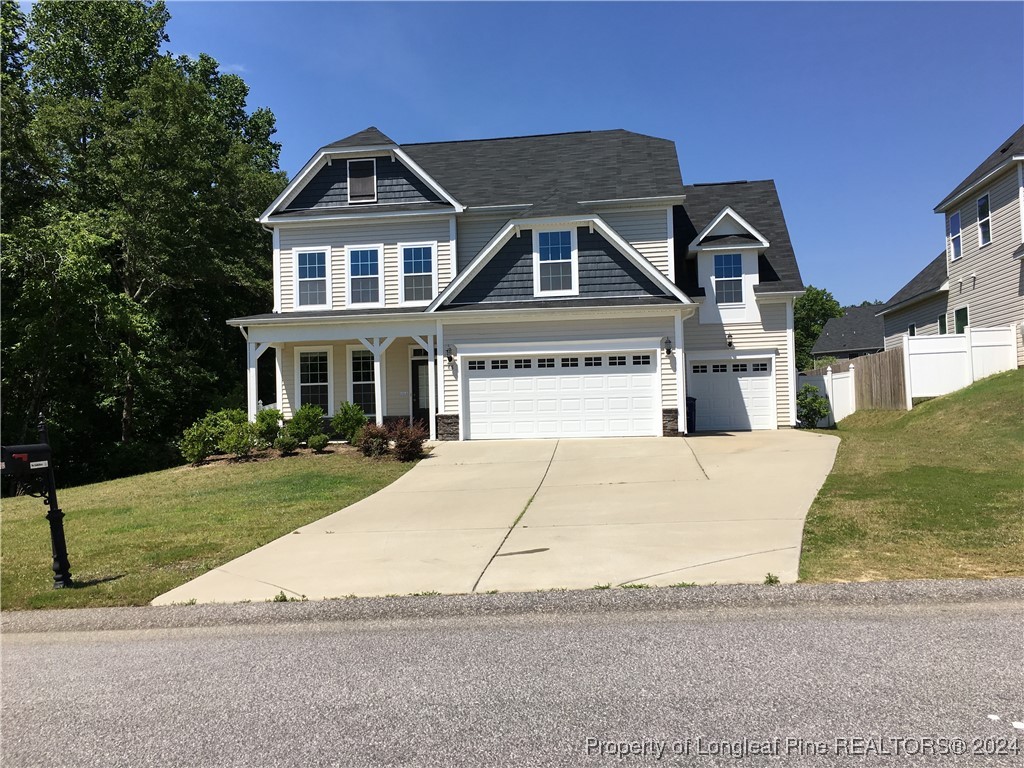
603	272
329	187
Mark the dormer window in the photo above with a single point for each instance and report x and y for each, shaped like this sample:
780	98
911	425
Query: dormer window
362	181
555	263
728	278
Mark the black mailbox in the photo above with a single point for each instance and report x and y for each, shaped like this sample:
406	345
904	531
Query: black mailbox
25	460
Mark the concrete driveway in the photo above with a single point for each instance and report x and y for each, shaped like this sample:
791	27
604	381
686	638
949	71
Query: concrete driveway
546	514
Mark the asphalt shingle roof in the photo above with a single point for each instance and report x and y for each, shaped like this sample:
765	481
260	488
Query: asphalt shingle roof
860	329
1012	146
924	283
758	203
369	137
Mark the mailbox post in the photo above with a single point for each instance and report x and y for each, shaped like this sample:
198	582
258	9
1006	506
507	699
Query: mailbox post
30	465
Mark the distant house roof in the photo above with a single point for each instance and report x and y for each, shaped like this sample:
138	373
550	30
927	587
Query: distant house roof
925	283
1012	148
860	329
758	203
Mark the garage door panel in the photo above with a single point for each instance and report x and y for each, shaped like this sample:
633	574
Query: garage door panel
731	395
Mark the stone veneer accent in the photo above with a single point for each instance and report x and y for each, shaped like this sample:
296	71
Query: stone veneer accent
447	426
670	422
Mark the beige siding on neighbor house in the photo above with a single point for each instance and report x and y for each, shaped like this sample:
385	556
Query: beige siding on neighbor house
645	230
336	236
924	314
988	279
770	333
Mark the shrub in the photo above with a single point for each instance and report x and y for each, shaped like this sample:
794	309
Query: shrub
348	421
373	441
811	407
198	442
268	425
318	442
408	441
286	443
307	421
240	439
221	421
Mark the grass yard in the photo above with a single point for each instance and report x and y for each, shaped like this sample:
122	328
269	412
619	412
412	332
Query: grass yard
132	539
936	492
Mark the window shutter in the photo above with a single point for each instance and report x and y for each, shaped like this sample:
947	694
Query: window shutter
362	181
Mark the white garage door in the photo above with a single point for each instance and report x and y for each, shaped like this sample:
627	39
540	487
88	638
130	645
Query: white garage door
732	394
571	395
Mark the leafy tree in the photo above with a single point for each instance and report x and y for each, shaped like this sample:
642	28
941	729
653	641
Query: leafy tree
126	249
810	313
875	303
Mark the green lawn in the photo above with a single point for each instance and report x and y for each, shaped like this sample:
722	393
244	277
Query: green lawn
132	539
936	492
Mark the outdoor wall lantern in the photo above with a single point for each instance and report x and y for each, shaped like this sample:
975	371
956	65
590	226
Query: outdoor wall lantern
728	341
449	353
666	344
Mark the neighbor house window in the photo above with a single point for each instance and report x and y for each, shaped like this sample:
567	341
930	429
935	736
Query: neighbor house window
362	381
960	320
362	181
954	235
728	278
417	273
311	275
912	330
364	275
984	222
314	379
942	325
555	266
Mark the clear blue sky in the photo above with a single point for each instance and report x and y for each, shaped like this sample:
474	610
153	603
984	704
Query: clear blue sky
865	114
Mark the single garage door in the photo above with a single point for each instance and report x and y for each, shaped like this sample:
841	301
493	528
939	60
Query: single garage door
732	394
571	395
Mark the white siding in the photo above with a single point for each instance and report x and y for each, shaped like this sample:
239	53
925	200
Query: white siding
770	333
337	236
645	230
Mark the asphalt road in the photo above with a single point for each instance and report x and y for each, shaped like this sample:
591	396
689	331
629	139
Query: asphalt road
810	676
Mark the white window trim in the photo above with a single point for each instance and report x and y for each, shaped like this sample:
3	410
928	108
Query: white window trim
326	250
574	261
349	349
987	218
348	180
330	377
714	282
949	235
379	247
401	273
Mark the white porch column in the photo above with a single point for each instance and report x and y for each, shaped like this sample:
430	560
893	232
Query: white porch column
378	345
427	343
681	424
252	356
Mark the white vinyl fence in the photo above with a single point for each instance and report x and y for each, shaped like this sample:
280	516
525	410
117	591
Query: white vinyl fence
838	389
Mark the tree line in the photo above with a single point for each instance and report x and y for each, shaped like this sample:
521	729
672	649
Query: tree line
131	179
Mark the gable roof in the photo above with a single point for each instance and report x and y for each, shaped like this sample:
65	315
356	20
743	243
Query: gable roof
749	236
1008	151
925	283
368	137
758	203
860	328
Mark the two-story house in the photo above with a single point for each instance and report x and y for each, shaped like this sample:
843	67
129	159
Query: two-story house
978	279
565	285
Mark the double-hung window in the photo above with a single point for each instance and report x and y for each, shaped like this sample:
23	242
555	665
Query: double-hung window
418	264
954	236
315	378
728	278
364	275
961	320
555	263
984	222
312	272
362	382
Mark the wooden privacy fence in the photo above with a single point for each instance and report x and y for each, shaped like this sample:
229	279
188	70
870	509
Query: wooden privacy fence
879	381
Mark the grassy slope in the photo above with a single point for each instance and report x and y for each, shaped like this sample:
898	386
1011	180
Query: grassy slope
937	492
138	537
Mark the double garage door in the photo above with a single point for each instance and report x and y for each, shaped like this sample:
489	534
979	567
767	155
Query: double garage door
570	395
732	394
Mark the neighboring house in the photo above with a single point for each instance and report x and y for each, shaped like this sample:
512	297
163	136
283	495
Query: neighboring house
858	332
566	285
978	280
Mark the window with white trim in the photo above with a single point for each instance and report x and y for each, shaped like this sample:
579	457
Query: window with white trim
739	367
570	362
418	273
961	319
759	367
499	365
546	362
954	235
641	359
984	221
942	325
555	265
361	374
523	363
362	181
728	278
311	275
476	365
592	362
700	369
314	380
719	368
615	360
364	275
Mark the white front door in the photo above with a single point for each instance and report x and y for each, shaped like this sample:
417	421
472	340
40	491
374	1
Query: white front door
565	395
732	394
